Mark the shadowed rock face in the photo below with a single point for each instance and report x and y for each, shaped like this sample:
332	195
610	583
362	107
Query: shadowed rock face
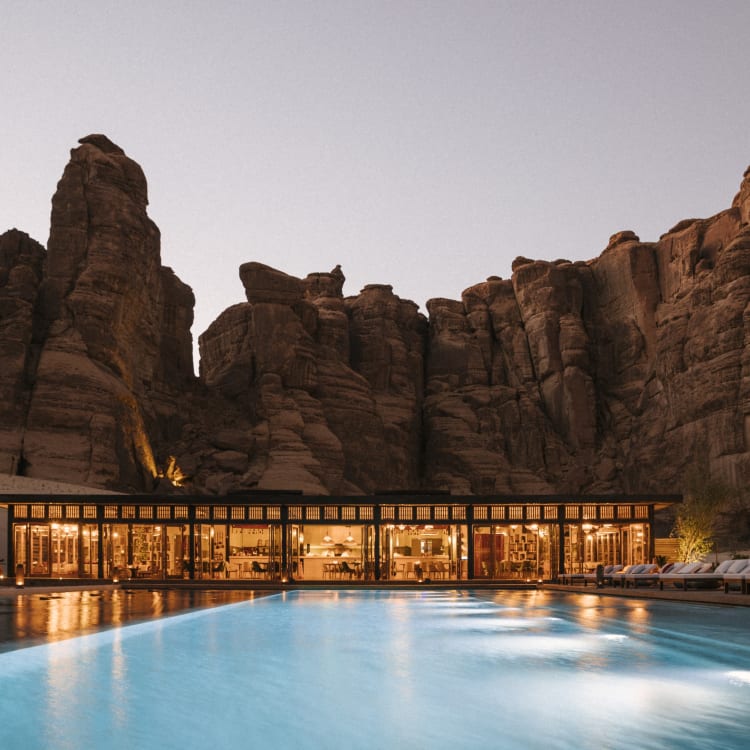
608	375
109	344
328	390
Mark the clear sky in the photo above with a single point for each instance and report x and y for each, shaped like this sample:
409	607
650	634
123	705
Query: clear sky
419	144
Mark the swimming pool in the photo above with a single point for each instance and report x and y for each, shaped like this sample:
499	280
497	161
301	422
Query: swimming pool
401	669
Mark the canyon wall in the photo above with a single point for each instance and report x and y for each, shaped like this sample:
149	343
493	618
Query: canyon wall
612	375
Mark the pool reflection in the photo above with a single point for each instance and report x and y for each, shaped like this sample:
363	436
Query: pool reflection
31	618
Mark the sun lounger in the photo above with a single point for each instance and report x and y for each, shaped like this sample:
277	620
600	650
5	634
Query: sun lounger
586	578
698	575
737	573
642	575
606	575
571	578
618	578
609	571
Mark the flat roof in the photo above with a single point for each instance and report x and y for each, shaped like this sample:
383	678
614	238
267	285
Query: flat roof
292	497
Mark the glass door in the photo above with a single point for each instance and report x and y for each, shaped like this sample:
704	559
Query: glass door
176	551
115	540
64	550
386	552
489	552
210	551
202	550
368	552
274	552
90	551
39	549
294	546
20	539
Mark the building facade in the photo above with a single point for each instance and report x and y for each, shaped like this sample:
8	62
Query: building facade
290	536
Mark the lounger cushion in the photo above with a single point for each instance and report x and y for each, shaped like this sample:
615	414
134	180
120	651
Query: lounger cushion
723	567
737	566
690	568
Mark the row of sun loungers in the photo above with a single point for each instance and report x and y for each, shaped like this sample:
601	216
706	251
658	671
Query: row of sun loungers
731	574
591	577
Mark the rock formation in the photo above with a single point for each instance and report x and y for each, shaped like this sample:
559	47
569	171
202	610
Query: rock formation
107	348
609	375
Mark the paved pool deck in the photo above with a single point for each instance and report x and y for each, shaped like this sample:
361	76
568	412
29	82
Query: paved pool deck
698	596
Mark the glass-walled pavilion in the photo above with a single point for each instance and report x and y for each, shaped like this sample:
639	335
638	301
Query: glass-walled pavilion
294	537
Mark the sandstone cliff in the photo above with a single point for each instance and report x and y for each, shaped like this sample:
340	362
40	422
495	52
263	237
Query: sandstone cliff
100	332
609	375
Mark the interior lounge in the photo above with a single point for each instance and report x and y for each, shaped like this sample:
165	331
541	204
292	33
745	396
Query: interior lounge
285	537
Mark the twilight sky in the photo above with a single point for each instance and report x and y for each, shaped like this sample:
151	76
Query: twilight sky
419	144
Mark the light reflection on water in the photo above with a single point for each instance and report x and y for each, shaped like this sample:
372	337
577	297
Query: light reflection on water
33	617
403	669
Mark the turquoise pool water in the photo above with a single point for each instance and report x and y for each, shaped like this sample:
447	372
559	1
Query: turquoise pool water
421	670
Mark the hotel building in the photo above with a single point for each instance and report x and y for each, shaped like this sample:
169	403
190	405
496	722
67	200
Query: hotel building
283	536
